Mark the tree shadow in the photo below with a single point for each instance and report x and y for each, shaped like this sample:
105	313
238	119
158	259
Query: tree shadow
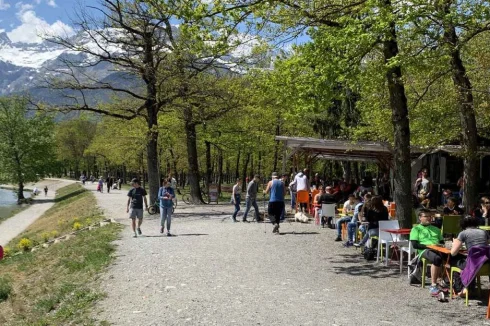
358	266
298	233
174	235
68	196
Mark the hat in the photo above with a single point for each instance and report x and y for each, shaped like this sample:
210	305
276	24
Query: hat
274	174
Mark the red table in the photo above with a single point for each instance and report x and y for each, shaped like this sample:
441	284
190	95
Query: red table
395	239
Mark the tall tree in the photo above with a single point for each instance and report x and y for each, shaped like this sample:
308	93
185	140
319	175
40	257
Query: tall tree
27	147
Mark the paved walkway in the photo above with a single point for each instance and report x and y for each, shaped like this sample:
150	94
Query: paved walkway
214	272
15	225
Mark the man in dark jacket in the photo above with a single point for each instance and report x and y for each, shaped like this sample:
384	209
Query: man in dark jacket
251	198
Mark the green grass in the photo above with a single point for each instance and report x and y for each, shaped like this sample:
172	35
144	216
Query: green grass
58	285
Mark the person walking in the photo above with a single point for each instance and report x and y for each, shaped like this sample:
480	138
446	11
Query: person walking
302	184
45	191
251	199
109	182
166	194
136	197
235	198
101	185
275	209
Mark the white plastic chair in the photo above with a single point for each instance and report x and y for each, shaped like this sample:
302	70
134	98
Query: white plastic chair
409	250
327	211
387	238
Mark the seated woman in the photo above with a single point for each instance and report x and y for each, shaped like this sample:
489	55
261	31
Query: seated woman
373	212
470	236
423	235
481	213
352	225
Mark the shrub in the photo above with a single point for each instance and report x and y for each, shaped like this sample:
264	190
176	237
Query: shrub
25	244
5	288
7	252
45	236
77	226
61	222
88	221
54	233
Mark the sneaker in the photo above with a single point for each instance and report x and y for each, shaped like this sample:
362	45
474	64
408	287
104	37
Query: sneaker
348	244
275	229
168	234
358	244
434	290
162	229
245	221
139	231
135	235
338	239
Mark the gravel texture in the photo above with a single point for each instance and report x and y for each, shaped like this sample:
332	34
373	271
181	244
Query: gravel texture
215	272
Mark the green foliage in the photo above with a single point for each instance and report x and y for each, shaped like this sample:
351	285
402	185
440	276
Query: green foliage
25	244
5	288
27	148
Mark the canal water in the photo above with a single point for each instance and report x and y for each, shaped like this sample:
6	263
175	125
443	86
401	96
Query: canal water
8	201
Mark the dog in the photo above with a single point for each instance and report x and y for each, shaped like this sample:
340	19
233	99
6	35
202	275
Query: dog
301	217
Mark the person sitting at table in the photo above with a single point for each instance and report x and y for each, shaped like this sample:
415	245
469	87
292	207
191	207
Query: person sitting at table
423	235
373	212
481	212
347	210
351	226
470	236
452	208
328	197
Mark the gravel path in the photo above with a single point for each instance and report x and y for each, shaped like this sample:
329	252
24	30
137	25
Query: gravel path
214	272
16	224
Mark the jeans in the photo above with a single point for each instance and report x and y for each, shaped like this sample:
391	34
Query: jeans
343	220
351	229
369	233
166	214
251	202
293	199
237	206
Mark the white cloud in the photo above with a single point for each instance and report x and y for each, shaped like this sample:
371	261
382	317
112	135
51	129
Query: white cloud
51	3
33	27
3	5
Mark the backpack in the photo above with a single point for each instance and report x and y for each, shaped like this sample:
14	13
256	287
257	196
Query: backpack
371	250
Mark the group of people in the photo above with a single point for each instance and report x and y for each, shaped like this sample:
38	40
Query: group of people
110	182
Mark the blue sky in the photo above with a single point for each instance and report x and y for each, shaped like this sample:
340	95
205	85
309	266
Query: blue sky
23	19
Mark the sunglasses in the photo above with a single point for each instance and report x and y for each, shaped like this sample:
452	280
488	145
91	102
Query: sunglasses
487	202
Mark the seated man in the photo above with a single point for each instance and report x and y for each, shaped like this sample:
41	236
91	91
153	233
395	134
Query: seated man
351	226
327	198
452	208
348	208
424	235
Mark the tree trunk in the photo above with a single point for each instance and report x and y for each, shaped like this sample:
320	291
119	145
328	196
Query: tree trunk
237	173
209	168
192	158
401	128
467	117
220	169
244	174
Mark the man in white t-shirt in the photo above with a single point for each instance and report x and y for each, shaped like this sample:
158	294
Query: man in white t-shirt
302	183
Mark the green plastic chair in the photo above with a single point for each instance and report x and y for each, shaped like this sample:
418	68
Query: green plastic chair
484	270
424	270
451	225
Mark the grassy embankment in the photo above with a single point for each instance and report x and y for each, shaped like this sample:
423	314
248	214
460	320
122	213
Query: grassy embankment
57	285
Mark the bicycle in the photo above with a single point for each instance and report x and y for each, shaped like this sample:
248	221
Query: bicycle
186	197
155	207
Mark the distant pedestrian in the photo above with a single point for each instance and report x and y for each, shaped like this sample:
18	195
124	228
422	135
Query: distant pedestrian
277	191
236	197
136	197
251	198
45	191
109	182
166	194
119	183
100	186
302	184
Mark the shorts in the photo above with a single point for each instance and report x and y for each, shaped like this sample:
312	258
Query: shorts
433	257
136	213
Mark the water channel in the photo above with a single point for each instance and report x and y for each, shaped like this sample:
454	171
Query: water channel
8	201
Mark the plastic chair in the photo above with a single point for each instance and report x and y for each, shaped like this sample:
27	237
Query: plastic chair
451	225
328	210
303	197
386	238
424	270
409	250
484	270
